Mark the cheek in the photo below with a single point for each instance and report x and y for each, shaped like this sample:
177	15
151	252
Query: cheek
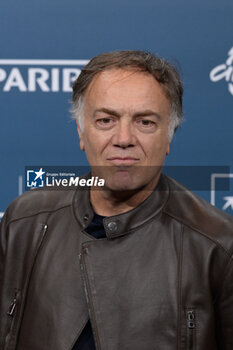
153	146
156	150
94	145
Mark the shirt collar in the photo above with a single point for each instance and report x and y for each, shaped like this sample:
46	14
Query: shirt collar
123	224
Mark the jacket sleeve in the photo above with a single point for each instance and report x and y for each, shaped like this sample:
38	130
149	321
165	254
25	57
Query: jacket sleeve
3	234
224	319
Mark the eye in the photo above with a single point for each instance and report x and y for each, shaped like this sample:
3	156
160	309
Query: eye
105	122
146	123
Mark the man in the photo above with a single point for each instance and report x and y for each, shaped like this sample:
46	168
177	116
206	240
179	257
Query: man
142	264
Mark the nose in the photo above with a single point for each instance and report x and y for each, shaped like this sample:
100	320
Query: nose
124	136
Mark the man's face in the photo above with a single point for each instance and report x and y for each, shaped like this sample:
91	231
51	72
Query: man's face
126	117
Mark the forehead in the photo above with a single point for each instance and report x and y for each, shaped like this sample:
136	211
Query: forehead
125	87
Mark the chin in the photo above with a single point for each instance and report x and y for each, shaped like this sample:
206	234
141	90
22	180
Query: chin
128	178
124	181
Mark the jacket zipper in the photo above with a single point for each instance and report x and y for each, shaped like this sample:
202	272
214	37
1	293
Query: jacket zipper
191	325
12	307
13	315
89	304
13	304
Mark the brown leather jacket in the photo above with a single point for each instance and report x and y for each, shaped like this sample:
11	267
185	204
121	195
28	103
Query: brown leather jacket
162	279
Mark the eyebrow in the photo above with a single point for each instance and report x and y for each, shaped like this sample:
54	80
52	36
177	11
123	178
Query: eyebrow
143	113
107	111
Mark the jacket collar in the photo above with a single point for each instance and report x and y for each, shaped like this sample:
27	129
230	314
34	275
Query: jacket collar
122	224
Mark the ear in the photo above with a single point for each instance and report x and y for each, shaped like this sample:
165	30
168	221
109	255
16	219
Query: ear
81	141
168	149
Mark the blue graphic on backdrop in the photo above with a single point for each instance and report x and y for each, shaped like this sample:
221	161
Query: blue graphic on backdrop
39	75
222	199
224	71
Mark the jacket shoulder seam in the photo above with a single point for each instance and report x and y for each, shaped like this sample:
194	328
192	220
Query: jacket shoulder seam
227	252
49	211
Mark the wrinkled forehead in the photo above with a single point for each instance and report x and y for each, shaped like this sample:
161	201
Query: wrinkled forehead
121	77
125	90
114	75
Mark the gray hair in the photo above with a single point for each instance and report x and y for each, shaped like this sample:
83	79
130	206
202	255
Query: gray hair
163	71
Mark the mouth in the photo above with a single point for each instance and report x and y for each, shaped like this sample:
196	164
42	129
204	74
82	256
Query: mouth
123	160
